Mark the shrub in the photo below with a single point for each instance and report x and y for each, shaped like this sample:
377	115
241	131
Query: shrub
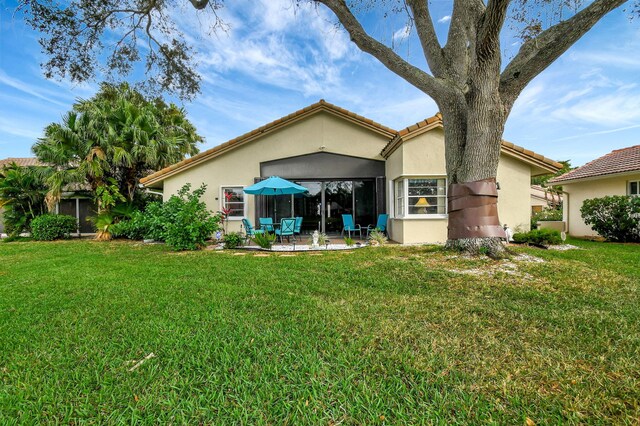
377	238
616	218
264	240
233	240
49	227
136	228
184	222
538	236
348	241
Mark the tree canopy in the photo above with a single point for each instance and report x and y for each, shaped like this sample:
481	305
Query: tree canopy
110	141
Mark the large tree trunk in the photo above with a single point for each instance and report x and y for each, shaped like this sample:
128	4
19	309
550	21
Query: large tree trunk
473	125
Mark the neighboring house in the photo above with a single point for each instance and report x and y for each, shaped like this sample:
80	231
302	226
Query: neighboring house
542	198
349	164
617	173
76	200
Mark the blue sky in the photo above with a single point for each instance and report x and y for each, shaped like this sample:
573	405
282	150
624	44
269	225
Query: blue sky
276	59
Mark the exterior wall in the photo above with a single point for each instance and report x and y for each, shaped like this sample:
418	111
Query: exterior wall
514	197
576	193
322	132
423	155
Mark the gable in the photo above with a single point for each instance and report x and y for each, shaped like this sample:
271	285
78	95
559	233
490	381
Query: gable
339	125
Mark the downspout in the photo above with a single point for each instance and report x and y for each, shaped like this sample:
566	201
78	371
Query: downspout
150	191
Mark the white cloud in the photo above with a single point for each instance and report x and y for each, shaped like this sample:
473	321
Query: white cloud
444	19
14	127
614	109
402	33
30	89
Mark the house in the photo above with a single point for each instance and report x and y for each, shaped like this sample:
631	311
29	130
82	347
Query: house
617	173
76	200
349	164
542	198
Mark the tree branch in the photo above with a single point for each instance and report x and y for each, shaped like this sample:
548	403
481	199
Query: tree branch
461	39
427	35
414	75
488	40
537	54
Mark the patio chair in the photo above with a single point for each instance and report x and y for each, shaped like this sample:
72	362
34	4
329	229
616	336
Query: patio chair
349	226
298	226
266	224
381	225
287	228
250	231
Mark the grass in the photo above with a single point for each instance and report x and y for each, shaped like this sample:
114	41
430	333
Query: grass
376	336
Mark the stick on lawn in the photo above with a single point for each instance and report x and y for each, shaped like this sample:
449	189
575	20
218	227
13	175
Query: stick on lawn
139	363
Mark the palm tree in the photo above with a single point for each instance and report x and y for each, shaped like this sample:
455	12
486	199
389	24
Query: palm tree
119	135
22	195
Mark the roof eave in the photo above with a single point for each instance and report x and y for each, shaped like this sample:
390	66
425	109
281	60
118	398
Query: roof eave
592	178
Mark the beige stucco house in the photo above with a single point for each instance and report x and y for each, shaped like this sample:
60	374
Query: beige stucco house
617	173
349	164
542	199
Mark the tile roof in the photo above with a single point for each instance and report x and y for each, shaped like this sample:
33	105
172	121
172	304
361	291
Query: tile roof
20	161
396	138
543	194
322	105
507	147
618	161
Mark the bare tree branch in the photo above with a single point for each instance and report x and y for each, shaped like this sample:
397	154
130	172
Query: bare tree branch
488	40
537	54
461	39
427	35
414	75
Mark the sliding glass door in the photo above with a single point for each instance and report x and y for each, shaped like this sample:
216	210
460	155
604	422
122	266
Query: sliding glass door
322	207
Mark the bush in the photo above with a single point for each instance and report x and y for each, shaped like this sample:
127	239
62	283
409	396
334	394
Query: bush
233	240
377	238
264	240
49	227
616	218
538	236
183	221
136	228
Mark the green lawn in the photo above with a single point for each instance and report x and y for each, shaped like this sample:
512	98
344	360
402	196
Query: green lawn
389	335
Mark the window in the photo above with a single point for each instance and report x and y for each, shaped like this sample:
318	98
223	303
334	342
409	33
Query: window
400	198
634	187
421	196
233	201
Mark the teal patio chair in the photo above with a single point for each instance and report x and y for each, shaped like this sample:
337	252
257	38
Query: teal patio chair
349	226
287	228
250	231
298	225
381	225
266	224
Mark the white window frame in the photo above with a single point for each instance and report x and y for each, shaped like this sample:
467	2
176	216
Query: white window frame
637	182
405	197
223	201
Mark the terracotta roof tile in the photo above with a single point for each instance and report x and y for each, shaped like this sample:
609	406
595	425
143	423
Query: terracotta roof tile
618	161
21	161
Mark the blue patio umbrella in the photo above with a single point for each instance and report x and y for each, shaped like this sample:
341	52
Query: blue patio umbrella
275	185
